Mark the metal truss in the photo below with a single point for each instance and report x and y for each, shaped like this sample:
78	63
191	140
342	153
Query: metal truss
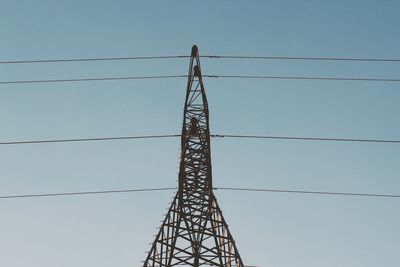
194	232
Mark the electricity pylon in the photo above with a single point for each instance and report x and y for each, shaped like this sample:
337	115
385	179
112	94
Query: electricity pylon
194	232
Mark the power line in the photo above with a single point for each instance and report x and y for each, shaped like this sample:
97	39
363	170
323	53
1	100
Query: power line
307	58
89	139
305	78
61	60
88	192
216	188
212	135
304	138
204	76
308	192
94	79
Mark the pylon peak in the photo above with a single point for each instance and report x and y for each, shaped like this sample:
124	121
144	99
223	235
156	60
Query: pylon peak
195	50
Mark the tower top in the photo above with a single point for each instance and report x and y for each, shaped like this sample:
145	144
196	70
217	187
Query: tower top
195	51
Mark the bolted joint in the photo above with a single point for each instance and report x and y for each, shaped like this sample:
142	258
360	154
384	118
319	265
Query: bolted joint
193	127
196	71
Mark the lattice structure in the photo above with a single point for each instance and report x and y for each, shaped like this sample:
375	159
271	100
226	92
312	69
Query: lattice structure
194	232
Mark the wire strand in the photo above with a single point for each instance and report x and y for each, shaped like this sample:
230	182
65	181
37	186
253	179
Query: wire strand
204	76
215	188
88	192
304	78
304	138
308	192
212	135
61	60
89	139
306	58
94	79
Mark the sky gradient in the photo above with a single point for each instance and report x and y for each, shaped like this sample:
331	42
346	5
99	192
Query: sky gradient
270	229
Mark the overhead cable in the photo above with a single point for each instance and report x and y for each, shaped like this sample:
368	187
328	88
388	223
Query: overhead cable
307	58
61	60
308	192
76	193
363	79
94	79
88	139
204	76
38	141
88	192
304	138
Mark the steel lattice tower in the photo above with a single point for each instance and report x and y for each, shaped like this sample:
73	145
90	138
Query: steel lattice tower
194	232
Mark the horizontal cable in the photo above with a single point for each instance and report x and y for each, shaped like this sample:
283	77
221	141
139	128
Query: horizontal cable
94	79
304	138
304	78
216	188
88	192
307	58
212	135
60	60
308	192
204	76
89	139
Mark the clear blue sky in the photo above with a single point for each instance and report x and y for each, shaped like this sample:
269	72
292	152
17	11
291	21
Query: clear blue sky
279	230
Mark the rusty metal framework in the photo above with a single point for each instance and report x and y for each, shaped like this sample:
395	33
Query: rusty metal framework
194	232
